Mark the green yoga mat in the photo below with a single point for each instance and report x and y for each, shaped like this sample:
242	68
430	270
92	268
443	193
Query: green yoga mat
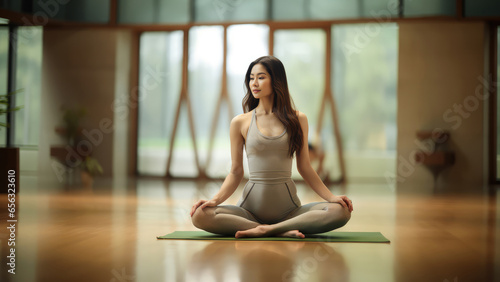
333	236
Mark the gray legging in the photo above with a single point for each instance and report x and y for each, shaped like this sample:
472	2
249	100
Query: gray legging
257	208
270	196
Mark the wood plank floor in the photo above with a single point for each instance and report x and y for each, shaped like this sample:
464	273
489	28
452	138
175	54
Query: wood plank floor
109	234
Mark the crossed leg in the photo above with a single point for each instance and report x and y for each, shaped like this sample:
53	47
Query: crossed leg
312	218
224	220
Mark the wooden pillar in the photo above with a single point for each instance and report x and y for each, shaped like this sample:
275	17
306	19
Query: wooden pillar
113	12
492	108
460	8
328	98
271	40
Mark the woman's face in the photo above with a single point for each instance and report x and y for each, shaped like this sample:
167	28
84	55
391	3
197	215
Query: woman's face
260	82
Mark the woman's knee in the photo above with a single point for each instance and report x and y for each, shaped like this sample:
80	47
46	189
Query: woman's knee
201	216
347	215
341	214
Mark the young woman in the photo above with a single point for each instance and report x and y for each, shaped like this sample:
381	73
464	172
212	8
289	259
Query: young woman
272	132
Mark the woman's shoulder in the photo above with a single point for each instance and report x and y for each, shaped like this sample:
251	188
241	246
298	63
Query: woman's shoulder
241	123
242	117
242	120
301	116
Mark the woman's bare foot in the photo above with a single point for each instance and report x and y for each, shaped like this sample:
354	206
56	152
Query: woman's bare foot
292	234
258	231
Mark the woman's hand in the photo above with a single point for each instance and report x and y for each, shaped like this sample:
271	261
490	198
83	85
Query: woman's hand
202	204
343	200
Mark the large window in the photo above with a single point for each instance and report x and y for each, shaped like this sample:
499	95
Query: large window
160	51
363	85
158	108
303	55
364	82
27	73
364	79
28	78
204	87
29	68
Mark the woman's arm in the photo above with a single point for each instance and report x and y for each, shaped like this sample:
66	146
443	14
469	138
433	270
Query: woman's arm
309	174
234	177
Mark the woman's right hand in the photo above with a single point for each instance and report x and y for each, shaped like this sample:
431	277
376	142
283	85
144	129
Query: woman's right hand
202	204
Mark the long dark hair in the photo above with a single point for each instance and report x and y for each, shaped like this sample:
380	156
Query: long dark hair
283	106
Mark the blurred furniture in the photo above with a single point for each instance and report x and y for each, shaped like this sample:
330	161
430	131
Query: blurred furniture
9	166
437	156
67	169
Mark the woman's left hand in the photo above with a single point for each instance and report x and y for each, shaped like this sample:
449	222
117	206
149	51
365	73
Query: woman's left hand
343	200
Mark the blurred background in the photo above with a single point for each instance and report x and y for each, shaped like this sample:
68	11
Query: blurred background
125	116
158	82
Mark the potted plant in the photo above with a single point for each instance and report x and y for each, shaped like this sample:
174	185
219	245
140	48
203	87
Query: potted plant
71	131
9	164
90	168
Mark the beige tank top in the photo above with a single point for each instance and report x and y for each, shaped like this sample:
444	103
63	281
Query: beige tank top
268	159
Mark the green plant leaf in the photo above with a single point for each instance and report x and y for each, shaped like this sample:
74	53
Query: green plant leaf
4	111
4	102
92	166
12	93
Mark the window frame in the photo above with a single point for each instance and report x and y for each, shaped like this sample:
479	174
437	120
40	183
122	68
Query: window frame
492	106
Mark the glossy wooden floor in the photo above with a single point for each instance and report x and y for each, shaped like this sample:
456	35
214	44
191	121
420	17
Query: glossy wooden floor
109	234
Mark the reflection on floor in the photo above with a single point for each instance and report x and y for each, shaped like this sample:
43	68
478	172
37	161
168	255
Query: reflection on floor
109	234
